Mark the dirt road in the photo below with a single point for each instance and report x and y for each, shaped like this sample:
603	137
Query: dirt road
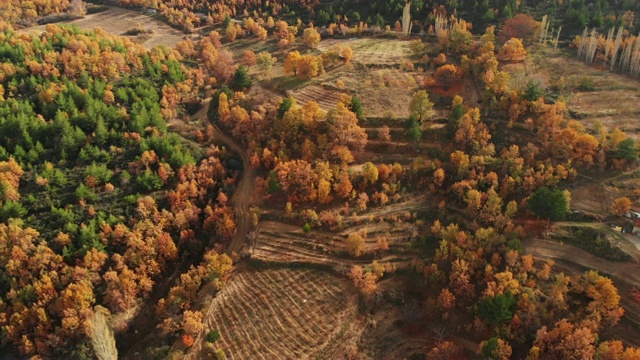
625	276
243	196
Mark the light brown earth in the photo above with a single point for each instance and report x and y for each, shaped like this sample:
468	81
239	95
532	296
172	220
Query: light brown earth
117	21
283	314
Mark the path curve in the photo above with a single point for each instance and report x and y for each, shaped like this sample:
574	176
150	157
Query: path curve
242	197
625	275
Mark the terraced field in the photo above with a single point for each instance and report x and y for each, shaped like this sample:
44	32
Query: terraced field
283	314
372	51
326	98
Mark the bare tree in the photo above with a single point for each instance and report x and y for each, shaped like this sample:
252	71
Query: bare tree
78	8
406	19
102	340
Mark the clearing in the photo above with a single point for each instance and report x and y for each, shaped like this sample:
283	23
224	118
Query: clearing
118	21
592	92
284	313
372	51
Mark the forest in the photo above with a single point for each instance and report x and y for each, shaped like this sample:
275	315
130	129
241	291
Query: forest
331	179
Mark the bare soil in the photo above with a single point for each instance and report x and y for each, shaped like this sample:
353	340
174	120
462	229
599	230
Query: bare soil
372	51
118	21
283	314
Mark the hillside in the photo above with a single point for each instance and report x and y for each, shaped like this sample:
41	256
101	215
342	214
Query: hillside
313	179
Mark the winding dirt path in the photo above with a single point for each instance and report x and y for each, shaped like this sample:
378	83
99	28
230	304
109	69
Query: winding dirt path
242	198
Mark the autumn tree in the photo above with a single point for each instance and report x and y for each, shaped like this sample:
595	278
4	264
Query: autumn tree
249	58
621	206
311	37
564	341
521	26
513	50
346	53
355	244
447	75
265	61
421	107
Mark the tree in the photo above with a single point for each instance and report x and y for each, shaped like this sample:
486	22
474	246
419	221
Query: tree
627	150
498	309
241	79
447	74
346	53
357	108
355	244
621	206
369	173
520	26
513	50
496	349
421	107
249	58
212	336
548	204
77	8
311	37
533	91
564	341
265	61
291	62
102	339
412	129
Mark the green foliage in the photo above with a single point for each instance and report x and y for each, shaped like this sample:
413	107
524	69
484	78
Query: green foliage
498	309
241	79
412	129
594	241
306	228
533	91
149	181
627	150
273	185
83	192
213	335
548	204
357	108
100	172
12	209
587	84
285	105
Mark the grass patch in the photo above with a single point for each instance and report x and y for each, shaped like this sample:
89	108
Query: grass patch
594	241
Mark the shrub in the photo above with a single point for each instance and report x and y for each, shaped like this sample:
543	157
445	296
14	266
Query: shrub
213	335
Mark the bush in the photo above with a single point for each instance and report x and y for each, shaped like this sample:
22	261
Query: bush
213	335
587	84
595	242
241	79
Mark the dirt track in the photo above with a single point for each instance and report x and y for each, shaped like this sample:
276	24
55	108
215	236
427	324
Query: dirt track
243	195
625	275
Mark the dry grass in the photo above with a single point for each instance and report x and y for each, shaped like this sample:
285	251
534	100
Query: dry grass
372	51
117	21
284	314
613	101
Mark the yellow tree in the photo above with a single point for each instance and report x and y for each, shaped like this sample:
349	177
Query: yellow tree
421	106
311	37
309	66
513	50
291	62
621	206
355	244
